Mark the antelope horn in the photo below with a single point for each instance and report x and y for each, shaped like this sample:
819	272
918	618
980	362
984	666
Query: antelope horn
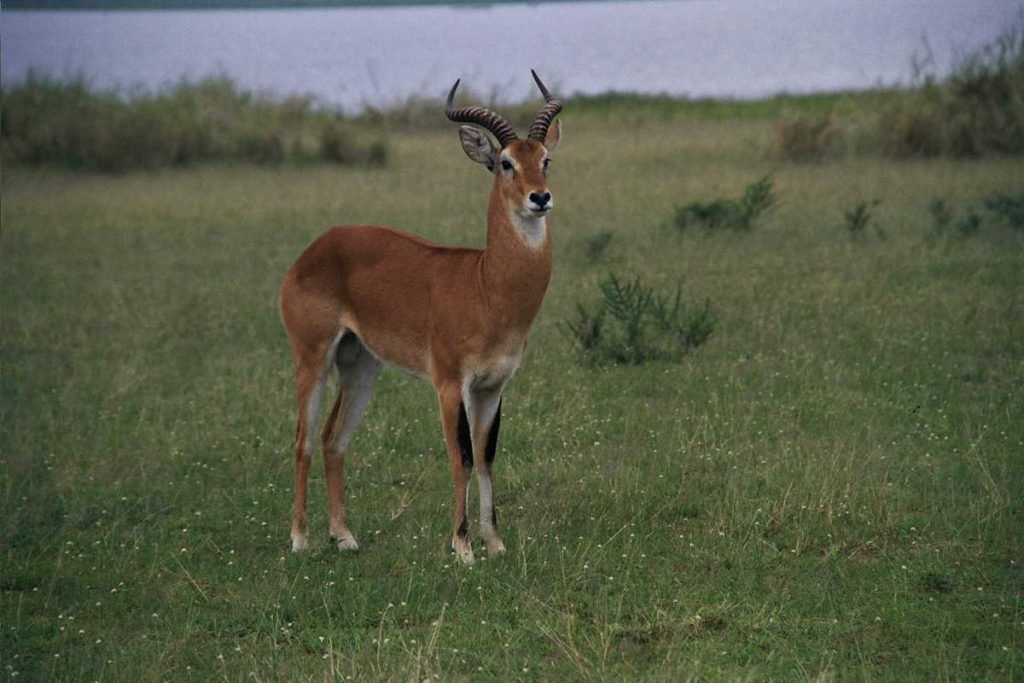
547	113
501	128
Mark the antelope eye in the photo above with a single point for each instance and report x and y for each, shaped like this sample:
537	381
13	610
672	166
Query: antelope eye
506	165
547	162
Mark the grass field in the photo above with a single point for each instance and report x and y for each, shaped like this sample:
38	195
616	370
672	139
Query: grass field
831	488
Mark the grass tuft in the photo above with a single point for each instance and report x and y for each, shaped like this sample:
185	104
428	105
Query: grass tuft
858	217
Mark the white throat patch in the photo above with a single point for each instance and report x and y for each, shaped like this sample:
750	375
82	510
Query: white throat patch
533	230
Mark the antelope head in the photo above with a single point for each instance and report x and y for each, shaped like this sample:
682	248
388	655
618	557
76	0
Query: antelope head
520	166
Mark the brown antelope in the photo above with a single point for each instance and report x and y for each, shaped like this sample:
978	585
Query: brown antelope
361	296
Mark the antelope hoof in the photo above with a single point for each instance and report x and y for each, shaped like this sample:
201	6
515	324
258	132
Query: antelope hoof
492	540
300	542
463	550
347	543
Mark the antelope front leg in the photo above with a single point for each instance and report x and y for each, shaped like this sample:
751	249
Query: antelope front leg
460	456
485	419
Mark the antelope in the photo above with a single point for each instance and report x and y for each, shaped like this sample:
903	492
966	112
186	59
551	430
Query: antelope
362	296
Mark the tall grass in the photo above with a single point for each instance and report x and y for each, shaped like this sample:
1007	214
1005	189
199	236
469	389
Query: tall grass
69	123
978	110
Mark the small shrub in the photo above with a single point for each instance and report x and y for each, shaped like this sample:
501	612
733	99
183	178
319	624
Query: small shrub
859	217
971	220
807	139
633	324
689	327
714	214
585	329
594	246
758	198
970	224
737	214
1008	207
942	215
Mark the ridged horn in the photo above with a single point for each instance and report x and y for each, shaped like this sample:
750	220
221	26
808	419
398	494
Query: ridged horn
547	113
501	128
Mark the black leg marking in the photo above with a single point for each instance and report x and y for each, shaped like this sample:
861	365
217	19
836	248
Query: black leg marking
491	452
463	530
465	439
492	437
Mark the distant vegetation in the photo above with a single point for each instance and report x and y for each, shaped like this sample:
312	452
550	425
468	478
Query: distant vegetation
978	110
70	124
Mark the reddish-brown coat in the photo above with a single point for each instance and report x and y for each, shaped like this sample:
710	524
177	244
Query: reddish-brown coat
458	317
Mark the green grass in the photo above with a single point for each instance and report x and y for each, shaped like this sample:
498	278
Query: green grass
829	488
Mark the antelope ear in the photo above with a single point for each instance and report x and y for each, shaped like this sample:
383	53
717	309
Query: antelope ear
553	136
478	146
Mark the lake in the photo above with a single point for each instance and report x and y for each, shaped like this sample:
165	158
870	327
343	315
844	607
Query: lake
354	57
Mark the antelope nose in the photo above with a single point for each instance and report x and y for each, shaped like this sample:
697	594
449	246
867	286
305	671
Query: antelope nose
541	199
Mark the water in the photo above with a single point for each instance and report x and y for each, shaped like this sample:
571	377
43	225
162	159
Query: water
351	58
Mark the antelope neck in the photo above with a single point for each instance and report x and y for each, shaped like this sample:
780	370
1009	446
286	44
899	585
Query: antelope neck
515	272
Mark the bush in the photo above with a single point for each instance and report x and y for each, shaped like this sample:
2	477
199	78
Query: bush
808	139
977	110
908	130
70	124
970	224
1001	207
594	246
337	144
1008	207
942	215
737	214
633	324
